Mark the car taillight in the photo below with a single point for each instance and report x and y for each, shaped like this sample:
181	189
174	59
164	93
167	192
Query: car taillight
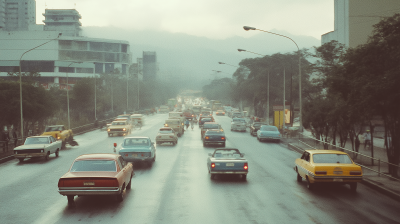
207	137
222	138
355	172
320	172
212	165
246	167
169	137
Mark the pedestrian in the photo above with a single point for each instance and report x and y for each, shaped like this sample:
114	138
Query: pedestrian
357	143
15	136
367	139
5	140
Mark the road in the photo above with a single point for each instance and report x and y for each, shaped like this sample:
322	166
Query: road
178	188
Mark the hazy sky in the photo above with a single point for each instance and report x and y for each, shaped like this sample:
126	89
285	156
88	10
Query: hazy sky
216	19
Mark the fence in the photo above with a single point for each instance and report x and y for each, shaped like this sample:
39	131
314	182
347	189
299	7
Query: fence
301	142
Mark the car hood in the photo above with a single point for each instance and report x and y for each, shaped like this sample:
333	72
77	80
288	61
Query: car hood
117	126
31	146
89	174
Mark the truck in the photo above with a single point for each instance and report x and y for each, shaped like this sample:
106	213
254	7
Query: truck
59	132
172	103
188	114
164	109
196	109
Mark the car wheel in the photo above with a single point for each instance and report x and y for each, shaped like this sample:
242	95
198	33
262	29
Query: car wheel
310	186
212	176
120	196
47	156
154	158
21	160
179	135
299	179
258	139
129	186
57	152
70	199
176	142
244	176
353	187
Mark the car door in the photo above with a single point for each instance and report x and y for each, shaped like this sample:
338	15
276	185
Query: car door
301	166
124	169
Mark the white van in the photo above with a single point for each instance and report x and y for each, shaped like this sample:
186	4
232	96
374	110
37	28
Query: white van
137	117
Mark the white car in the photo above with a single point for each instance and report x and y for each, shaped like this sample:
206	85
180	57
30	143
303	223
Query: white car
238	124
38	146
166	134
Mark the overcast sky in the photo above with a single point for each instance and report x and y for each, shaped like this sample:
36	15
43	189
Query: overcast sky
215	19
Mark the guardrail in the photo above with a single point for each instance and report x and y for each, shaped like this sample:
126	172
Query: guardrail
302	142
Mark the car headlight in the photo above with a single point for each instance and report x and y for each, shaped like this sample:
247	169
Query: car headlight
124	129
108	129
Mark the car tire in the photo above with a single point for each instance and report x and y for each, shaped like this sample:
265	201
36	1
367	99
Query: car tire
109	135
204	144
299	178
223	144
63	144
310	186
154	158
57	152
244	177
353	187
120	196
70	199
176	142
47	156
129	186
21	160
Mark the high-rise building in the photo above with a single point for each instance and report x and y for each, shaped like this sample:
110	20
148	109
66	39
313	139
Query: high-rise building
354	20
63	20
150	66
17	14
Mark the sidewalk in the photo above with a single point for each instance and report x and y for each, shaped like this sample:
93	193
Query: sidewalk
381	183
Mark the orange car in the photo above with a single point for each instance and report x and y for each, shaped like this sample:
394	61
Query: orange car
96	174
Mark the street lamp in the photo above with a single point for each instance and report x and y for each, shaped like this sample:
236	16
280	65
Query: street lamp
223	63
247	28
77	62
20	83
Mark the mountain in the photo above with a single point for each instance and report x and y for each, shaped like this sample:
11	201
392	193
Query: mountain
192	58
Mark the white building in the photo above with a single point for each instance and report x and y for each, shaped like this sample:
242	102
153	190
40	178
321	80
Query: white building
354	20
17	14
65	20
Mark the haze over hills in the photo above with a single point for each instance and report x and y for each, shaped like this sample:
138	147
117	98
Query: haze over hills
192	58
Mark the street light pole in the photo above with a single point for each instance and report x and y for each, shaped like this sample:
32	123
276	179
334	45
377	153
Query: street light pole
247	28
69	124
20	83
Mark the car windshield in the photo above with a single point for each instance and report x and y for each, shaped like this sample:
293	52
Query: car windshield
239	120
53	128
269	128
165	131
331	158
136	142
118	123
43	140
93	165
227	154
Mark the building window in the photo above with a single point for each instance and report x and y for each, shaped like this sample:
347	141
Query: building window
37	66
84	70
66	69
109	67
123	68
99	68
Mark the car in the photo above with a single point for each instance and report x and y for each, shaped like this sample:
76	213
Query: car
209	125
137	149
176	124
227	161
121	127
268	132
237	114
254	128
238	124
137	118
220	113
59	132
38	146
208	118
214	136
96	174
166	134
327	167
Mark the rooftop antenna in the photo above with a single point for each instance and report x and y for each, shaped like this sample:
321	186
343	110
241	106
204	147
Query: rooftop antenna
74	5
45	5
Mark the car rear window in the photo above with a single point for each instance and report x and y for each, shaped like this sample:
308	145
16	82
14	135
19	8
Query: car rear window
269	128
215	133
331	158
227	154
136	142
165	131
93	165
211	126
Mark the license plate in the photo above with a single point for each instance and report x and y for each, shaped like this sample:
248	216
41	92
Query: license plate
337	172
229	164
134	155
337	180
88	183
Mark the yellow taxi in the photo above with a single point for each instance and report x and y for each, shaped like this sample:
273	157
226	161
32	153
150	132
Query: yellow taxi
327	166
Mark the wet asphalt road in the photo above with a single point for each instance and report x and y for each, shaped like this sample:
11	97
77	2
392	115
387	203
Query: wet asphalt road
178	189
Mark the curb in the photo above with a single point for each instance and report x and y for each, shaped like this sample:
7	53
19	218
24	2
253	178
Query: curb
381	189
